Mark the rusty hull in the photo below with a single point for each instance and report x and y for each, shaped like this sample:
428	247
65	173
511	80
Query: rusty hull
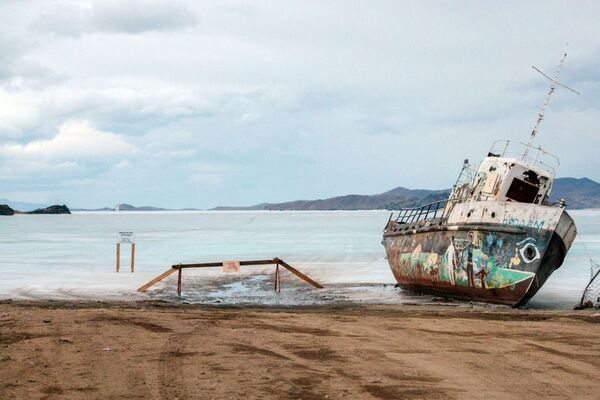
494	263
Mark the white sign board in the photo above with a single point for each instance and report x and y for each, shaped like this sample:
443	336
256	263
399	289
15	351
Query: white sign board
125	237
231	266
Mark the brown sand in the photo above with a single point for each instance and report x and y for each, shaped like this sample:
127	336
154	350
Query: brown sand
63	350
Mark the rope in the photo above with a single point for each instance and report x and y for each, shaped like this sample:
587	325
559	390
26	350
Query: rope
591	293
585	248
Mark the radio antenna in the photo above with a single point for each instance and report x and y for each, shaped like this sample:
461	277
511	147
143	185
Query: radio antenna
553	85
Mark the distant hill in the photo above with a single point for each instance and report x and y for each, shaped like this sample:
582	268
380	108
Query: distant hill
123	207
129	207
578	193
393	199
55	209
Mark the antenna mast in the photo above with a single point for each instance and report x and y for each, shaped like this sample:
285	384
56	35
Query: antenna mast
553	85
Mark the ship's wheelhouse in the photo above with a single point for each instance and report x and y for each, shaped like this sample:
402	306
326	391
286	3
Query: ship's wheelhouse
512	171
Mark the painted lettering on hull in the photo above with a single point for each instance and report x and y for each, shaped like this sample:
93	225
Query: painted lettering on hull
526	223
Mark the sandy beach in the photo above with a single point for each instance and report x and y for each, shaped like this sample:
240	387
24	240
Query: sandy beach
95	350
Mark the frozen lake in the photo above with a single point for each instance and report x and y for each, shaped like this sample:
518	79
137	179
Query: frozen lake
73	256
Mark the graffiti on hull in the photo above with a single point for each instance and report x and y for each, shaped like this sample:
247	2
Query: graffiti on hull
475	259
527	223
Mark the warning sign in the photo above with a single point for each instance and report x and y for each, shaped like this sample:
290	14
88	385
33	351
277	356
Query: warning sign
126	237
231	266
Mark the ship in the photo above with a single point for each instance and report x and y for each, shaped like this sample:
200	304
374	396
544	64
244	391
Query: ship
497	238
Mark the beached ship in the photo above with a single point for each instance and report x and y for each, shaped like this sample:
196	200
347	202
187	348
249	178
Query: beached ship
496	238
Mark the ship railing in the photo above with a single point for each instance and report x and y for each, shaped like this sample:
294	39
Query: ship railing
427	212
533	155
422	213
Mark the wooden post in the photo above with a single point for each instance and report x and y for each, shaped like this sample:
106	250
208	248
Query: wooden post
277	287
132	255
118	256
278	279
179	281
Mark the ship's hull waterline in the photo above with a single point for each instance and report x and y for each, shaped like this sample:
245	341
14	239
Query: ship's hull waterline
488	262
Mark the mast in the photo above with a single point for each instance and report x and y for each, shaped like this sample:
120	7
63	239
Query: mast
554	82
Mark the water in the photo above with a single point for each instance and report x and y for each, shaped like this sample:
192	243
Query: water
73	256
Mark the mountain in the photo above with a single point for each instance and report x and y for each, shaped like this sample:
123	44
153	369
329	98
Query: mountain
129	207
123	207
578	193
393	199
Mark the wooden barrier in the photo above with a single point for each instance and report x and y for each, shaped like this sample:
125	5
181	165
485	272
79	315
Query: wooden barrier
274	261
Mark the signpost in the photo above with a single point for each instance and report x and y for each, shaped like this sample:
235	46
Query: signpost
231	266
125	237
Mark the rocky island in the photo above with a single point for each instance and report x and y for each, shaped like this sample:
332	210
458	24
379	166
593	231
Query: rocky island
55	209
6	210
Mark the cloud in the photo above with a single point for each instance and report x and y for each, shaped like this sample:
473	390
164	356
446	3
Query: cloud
79	152
36	170
76	140
130	17
9	51
24	111
314	98
203	173
16	69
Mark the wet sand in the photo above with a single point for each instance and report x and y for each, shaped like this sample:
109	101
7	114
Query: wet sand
152	350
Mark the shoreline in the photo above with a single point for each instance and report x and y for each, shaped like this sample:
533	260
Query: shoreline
434	304
158	350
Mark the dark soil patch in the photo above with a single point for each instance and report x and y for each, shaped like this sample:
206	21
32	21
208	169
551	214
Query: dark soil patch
402	392
247	349
319	354
149	326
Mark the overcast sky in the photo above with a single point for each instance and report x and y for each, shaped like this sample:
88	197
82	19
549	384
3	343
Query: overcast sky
198	104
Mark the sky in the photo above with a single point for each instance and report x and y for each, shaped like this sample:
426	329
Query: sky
198	104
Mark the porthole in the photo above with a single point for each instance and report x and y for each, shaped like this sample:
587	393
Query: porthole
468	214
529	252
493	214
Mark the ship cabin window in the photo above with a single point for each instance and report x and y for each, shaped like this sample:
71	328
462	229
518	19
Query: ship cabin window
521	191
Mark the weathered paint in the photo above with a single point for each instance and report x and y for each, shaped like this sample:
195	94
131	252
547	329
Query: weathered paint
498	239
506	213
478	261
529	223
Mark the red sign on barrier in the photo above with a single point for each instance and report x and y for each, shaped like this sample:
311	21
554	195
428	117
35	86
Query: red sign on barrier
231	266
